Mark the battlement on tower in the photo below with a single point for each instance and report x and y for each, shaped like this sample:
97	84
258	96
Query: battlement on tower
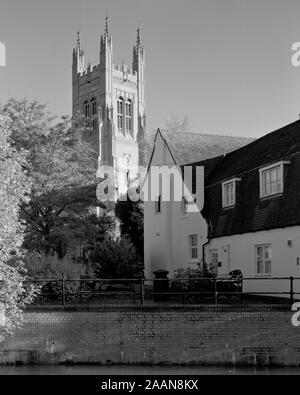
121	73
125	73
89	72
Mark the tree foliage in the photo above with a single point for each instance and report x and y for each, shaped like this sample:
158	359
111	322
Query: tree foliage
177	124
131	217
14	192
172	123
116	259
61	164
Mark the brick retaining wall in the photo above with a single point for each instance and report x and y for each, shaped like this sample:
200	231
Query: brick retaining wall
190	335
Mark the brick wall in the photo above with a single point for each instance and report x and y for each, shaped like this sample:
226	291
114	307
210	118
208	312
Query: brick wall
216	335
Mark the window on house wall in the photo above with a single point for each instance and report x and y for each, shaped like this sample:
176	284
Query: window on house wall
128	116
214	258
271	179
157	204
263	259
193	246
94	113
120	112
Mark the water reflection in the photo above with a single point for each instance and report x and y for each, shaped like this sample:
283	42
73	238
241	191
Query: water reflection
142	370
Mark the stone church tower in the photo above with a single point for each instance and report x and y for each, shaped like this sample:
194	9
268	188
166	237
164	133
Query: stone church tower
113	97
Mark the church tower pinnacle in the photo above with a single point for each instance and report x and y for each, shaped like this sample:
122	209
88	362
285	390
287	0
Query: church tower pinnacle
78	56
138	66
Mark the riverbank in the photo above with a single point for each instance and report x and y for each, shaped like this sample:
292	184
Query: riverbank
182	335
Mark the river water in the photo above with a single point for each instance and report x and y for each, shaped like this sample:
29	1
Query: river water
141	370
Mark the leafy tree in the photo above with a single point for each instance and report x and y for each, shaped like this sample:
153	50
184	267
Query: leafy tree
177	124
62	164
13	192
50	267
173	123
116	259
131	217
94	231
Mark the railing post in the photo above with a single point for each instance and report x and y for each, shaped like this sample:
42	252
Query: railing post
63	290
142	291
215	291
291	290
241	289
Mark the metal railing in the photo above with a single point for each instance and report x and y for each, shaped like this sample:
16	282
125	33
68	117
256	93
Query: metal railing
141	291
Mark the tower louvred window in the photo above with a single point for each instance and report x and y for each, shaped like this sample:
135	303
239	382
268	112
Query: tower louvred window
120	112
128	116
86	109
94	106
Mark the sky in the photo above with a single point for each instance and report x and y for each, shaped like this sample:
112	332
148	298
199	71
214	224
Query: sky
226	64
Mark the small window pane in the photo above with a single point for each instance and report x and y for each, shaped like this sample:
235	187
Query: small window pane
194	240
267	252
259	252
194	253
214	257
271	181
260	267
193	246
228	194
268	267
264	259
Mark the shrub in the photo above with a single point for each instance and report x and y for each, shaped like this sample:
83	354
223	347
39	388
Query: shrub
192	280
116	259
41	267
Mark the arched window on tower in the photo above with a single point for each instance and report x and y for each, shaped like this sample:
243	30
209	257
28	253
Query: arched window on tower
94	113
86	109
128	114
120	112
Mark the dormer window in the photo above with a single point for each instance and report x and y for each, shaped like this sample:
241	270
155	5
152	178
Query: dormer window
271	179
229	192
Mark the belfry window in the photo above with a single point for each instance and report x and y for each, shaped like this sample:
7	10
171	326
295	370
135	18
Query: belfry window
86	109
94	113
128	116
120	112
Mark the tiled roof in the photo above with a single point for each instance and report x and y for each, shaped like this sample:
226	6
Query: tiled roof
189	147
251	213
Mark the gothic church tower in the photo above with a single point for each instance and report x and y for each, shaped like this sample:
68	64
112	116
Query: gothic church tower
113	97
